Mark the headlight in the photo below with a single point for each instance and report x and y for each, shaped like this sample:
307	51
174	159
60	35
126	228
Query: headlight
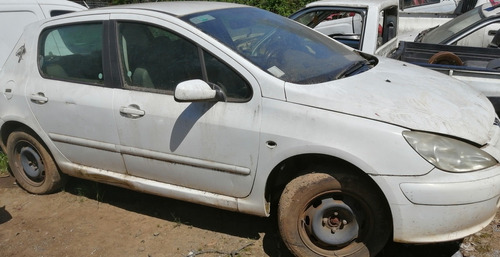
447	153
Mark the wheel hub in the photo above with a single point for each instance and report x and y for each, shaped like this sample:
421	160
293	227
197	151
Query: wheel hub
331	222
32	163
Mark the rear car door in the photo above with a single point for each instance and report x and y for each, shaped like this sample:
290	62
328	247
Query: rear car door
71	98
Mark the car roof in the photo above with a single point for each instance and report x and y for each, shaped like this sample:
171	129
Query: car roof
176	8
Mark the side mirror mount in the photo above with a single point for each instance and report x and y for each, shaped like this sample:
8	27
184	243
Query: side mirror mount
197	90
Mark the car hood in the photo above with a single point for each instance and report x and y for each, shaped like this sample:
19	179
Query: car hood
405	95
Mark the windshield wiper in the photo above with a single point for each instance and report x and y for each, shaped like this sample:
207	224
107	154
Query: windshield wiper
351	69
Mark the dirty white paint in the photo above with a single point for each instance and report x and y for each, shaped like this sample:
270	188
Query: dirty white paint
15	14
222	153
413	97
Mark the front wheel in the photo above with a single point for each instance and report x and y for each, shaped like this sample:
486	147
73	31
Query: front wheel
322	215
32	165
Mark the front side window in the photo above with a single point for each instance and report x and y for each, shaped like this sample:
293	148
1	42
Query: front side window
157	60
72	53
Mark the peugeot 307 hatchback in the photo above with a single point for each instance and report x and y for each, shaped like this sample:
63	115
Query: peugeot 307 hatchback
235	107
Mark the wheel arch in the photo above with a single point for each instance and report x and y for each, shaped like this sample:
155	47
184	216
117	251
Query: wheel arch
298	165
11	126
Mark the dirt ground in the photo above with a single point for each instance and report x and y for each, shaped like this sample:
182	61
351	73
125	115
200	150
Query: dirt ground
92	219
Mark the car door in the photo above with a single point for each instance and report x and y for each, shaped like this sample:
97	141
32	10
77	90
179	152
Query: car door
341	23
70	99
208	146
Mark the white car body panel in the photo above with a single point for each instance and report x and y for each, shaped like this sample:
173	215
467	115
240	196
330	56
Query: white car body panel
399	99
349	25
441	7
359	120
16	14
444	6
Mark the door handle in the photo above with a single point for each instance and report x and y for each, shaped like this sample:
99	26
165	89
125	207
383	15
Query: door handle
132	111
39	98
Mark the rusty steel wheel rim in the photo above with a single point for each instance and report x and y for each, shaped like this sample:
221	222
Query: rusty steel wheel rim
30	163
328	225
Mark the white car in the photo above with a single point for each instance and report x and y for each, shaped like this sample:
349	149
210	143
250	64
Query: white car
439	6
15	14
238	108
479	27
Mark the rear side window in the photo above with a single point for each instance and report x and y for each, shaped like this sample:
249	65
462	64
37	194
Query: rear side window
58	12
72	53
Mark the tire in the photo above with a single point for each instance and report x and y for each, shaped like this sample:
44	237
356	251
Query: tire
322	215
32	165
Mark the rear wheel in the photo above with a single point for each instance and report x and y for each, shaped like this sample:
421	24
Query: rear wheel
323	215
32	165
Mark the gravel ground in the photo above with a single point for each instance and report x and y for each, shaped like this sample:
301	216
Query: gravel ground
92	219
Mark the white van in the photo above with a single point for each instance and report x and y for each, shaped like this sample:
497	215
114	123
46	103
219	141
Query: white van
15	14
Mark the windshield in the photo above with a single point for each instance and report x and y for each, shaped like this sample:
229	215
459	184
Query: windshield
440	34
277	45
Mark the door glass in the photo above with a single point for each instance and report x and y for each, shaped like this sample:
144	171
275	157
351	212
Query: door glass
233	85
155	58
72	53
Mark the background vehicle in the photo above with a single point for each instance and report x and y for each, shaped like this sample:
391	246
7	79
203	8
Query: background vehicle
479	67
241	109
367	25
439	6
466	48
477	28
15	14
375	26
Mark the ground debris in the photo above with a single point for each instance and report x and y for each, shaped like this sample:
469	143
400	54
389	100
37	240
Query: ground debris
232	253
